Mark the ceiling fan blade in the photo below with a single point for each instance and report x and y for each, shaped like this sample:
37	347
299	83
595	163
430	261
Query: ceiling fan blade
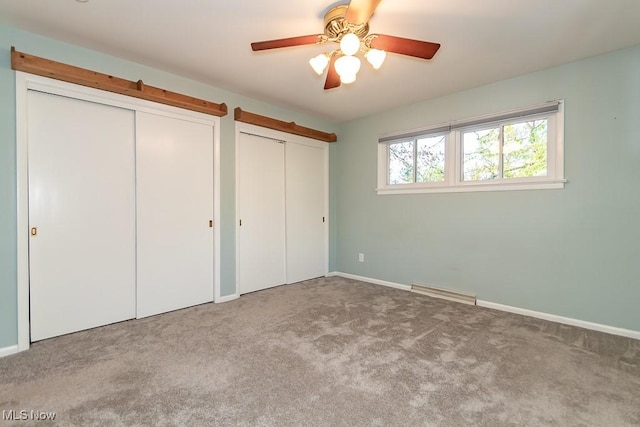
360	11
333	79
417	48
289	42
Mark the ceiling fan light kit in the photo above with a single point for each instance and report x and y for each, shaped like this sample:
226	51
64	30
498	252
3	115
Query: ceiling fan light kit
348	25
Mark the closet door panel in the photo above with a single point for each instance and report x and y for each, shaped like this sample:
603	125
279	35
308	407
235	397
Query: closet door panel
261	209
81	214
305	194
174	172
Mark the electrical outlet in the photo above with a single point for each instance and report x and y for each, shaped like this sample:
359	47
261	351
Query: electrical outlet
361	257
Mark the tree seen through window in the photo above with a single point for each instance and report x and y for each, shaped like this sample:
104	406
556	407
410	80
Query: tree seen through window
420	160
515	150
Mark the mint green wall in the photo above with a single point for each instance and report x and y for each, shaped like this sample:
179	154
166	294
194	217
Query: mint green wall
573	252
8	309
334	184
48	48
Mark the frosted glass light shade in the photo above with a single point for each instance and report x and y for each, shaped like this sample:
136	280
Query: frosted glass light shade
319	63
348	78
347	65
375	57
350	44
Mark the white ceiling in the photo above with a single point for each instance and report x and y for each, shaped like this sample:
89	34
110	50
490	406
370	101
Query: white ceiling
209	41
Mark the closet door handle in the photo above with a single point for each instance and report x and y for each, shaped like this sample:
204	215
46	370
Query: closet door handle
34	231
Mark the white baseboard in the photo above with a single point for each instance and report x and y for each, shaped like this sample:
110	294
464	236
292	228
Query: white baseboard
560	319
227	298
510	309
370	280
6	351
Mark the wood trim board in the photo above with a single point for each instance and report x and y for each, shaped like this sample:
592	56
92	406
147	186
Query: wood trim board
68	73
288	127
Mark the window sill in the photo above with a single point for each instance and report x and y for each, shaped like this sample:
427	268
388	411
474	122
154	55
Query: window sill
472	187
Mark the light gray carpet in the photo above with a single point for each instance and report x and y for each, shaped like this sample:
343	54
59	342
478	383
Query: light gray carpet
329	352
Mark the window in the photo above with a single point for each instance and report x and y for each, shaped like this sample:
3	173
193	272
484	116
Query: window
521	149
417	160
511	150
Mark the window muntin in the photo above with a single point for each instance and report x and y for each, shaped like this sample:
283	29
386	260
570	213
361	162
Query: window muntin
518	149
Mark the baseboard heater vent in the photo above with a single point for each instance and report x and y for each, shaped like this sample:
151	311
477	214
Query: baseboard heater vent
448	294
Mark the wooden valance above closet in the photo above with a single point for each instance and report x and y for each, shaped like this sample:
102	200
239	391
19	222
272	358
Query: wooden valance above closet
69	73
288	127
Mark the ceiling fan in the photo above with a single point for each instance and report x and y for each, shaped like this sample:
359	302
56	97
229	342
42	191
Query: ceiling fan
348	25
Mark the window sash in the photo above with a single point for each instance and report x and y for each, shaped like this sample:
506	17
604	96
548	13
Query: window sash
414	142
500	125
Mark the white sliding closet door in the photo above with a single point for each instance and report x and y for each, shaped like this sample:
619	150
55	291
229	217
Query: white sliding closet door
305	193
81	214
174	160
261	210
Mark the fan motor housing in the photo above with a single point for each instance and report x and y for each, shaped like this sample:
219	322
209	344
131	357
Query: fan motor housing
335	26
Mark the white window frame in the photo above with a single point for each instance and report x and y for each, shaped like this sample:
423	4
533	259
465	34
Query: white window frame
454	171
